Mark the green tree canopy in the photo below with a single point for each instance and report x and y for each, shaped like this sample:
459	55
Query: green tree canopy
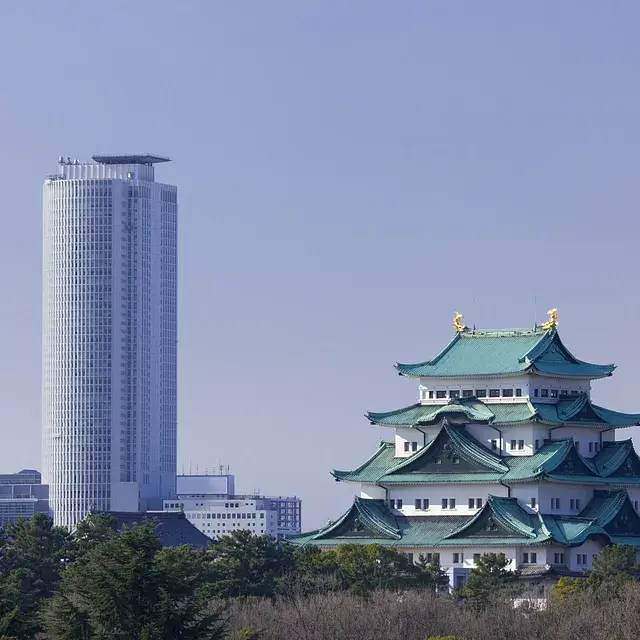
128	587
488	578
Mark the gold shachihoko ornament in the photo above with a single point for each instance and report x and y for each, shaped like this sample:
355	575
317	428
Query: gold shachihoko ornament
458	325
552	321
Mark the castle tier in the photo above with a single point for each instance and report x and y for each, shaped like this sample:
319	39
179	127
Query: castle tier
505	452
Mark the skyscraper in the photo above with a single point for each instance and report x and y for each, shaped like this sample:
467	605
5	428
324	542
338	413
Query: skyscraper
109	406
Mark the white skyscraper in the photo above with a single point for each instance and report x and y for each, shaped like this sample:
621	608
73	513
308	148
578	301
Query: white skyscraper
109	406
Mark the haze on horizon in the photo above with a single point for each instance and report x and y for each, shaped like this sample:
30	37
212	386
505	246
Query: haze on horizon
349	175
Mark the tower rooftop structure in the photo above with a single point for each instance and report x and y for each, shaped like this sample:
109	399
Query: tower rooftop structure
504	451
144	158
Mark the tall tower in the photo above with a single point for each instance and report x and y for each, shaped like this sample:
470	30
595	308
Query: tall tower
109	401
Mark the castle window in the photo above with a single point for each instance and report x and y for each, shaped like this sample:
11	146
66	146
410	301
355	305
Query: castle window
458	558
452	503
564	392
533	557
591	447
535	393
574	392
418	503
544	393
553	393
558	558
414	446
513	445
520	445
481	393
494	445
410	557
425	503
476	557
392	503
433	557
478	503
507	393
635	505
537	444
399	503
525	558
454	393
441	394
467	393
532	503
431	395
518	393
445	503
456	460
555	503
407	446
494	393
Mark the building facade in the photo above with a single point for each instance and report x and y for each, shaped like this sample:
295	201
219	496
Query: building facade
209	503
505	452
22	495
109	405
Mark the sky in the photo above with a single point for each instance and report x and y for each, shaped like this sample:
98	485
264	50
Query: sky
350	173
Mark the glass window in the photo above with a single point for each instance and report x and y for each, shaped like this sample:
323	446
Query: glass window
407	446
518	393
525	558
513	445
467	393
544	393
445	503
534	557
472	503
414	446
478	503
476	557
537	444
454	393
452	503
520	445
418	503
431	395
574	392
456	558
564	392
535	393
494	393
507	393
494	445
425	503
553	393
481	393
399	503
441	394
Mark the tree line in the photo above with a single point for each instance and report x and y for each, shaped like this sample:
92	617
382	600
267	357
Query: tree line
99	584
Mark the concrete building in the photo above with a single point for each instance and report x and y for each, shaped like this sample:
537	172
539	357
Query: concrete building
22	495
210	503
506	452
109	336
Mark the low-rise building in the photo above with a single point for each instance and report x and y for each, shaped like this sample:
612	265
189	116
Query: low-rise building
22	495
209	502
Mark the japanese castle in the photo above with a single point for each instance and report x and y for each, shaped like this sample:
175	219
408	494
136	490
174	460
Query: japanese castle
505	452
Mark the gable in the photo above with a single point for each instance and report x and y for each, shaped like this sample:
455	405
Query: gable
625	522
556	353
486	526
572	465
630	468
442	457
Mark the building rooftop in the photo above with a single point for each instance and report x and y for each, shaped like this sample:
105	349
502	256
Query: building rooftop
477	353
144	158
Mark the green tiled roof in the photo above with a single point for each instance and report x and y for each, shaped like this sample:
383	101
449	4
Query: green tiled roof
501	521
556	460
575	410
505	352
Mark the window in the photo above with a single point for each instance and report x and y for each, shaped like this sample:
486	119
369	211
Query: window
563	392
478	503
481	393
591	447
553	393
467	393
520	445
452	503
476	557
458	558
431	395
445	503
572	504
494	445
518	393
533	557
392	503
537	444
438	460
532	503
635	505
418	503
513	445
410	557
544	393
441	394
494	393
577	504
455	460
574	392
472	503
454	393
555	503
535	393
558	558
581	559
431	557
399	503
507	393
414	446
525	558
407	446
577	444
596	447
425	503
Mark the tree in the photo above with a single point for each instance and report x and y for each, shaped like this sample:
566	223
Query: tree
92	530
128	586
565	588
244	564
489	577
614	565
434	576
33	553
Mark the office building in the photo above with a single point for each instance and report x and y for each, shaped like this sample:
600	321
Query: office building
209	502
109	336
505	452
22	495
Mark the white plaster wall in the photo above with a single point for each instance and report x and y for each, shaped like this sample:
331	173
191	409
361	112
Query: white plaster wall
484	434
634	496
446	554
407	435
372	491
565	492
435	493
583	436
523	432
591	548
523	493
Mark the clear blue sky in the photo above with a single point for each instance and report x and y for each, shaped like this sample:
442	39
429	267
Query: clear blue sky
350	173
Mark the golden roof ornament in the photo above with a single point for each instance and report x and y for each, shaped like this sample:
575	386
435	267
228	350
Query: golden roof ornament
457	322
552	321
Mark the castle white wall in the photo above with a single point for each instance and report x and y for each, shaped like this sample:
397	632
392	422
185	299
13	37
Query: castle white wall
372	491
435	494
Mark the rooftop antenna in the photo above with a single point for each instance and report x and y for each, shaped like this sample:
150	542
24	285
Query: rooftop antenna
473	315
197	470
189	466
535	307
